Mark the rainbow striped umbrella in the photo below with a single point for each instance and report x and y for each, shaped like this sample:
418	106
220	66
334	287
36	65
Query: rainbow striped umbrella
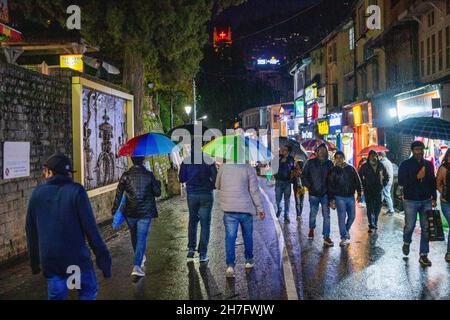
149	144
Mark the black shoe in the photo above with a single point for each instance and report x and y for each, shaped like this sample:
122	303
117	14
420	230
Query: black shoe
405	249
370	230
190	255
424	262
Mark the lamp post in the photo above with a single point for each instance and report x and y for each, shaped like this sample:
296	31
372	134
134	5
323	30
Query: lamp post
203	117
188	110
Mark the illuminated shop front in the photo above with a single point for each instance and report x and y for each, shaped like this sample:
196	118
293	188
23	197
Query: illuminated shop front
358	130
334	129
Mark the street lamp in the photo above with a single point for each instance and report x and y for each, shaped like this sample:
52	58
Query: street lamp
203	117
188	110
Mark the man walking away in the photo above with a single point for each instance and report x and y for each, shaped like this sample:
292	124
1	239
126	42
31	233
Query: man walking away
141	188
200	181
343	183
59	219
374	178
443	185
283	181
240	200
416	176
299	190
315	177
387	189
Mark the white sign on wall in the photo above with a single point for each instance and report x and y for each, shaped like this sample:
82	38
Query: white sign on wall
16	160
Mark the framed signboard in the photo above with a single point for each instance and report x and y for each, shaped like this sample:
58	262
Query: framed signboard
102	120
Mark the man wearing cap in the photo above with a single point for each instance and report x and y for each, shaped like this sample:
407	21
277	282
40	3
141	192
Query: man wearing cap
387	189
374	178
58	222
315	177
416	176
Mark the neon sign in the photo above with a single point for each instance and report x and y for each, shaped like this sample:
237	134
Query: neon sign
272	61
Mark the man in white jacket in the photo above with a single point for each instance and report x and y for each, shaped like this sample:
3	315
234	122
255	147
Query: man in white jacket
240	200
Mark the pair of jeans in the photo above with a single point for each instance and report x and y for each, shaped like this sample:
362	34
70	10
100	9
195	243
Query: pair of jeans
139	231
445	206
411	209
283	190
373	206
314	209
388	197
57	288
298	202
200	206
232	220
345	207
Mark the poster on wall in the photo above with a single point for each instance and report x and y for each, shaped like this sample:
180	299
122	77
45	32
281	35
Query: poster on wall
16	160
104	131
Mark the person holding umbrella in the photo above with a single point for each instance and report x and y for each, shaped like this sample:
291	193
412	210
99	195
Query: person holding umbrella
416	176
140	188
374	178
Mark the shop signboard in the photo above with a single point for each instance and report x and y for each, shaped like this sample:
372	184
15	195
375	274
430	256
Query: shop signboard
72	61
16	160
417	106
334	123
323	127
311	93
300	110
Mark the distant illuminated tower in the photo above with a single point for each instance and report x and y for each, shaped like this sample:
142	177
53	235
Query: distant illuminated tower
222	38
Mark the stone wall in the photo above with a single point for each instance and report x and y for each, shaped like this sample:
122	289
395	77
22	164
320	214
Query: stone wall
34	108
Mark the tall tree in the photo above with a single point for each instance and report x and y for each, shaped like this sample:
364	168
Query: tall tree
164	38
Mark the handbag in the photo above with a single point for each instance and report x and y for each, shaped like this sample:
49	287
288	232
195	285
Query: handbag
119	218
435	229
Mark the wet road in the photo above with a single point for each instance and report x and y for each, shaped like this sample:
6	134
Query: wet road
288	265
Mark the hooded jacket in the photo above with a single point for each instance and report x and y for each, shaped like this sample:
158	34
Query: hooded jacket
343	182
315	176
373	181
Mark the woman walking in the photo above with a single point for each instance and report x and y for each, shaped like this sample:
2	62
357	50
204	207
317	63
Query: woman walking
443	186
240	199
299	189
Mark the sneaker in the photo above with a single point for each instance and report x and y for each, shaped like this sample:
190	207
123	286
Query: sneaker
344	242
249	264
204	258
190	255
447	257
286	219
424	262
230	272
137	271
299	218
327	242
144	259
311	234
405	249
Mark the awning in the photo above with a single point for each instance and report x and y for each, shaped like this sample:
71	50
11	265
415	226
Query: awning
7	33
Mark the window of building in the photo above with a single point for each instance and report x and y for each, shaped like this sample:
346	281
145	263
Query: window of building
428	56
376	77
351	38
447	45
422	58
332	53
448	6
431	18
440	52
433	54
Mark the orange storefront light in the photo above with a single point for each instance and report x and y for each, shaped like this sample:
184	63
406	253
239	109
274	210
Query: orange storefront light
357	115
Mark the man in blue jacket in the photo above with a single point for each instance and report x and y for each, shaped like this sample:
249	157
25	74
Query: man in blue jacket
59	220
200	180
416	176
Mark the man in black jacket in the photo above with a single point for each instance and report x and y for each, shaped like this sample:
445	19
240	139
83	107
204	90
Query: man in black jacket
343	183
315	177
283	179
59	219
374	178
141	188
416	176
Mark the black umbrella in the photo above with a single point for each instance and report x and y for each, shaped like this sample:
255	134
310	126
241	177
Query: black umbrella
297	148
427	127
